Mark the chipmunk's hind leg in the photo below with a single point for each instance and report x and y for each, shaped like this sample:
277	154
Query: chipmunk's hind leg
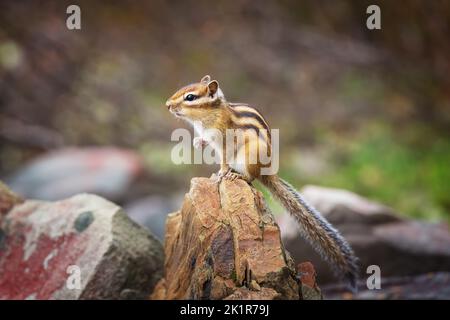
232	175
224	169
245	167
229	174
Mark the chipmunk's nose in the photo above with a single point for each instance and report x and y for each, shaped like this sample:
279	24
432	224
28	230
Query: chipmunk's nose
168	104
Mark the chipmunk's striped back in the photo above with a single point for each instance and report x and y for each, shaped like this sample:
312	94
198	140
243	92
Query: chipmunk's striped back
249	118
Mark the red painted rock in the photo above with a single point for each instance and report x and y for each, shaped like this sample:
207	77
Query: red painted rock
56	175
83	247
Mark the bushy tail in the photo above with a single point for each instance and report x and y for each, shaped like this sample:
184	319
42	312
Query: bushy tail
322	236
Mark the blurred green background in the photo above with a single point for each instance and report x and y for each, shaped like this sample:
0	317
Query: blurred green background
367	111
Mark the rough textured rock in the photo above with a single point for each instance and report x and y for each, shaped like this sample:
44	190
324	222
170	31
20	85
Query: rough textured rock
56	175
224	244
247	294
344	206
309	288
7	200
39	240
376	233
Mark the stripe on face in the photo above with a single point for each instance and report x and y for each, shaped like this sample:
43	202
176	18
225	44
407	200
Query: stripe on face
198	89
201	102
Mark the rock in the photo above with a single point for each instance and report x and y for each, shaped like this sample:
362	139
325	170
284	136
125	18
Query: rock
151	212
159	292
7	200
434	286
224	244
377	234
108	172
46	247
342	206
309	288
247	294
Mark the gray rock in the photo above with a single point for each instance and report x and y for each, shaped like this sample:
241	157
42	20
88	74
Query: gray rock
46	247
108	172
151	212
346	207
401	247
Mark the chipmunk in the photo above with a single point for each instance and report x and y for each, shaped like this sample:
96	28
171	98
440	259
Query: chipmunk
203	104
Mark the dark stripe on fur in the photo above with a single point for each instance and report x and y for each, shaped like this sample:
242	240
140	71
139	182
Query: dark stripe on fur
253	127
247	114
252	113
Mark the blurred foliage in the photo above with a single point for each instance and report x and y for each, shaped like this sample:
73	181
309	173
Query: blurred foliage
363	110
405	170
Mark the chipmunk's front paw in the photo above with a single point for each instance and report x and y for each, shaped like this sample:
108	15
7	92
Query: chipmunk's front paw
199	143
221	174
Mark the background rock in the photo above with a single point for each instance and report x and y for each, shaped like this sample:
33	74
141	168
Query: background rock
117	258
224	244
345	207
425	286
105	171
151	212
401	247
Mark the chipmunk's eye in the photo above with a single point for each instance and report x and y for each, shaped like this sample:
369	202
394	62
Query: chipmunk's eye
190	97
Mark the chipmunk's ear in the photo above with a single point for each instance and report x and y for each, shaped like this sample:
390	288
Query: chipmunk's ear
213	86
206	79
